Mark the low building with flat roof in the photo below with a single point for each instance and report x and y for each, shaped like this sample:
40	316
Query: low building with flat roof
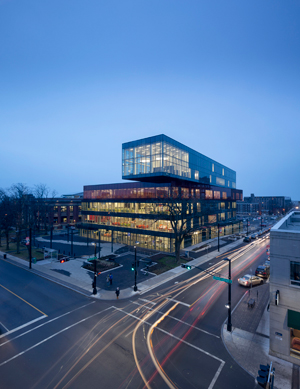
285	288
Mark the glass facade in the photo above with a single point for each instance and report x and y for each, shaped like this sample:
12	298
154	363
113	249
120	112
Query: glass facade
167	172
123	213
158	158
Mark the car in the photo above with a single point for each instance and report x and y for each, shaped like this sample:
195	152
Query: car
247	239
254	236
263	271
250	280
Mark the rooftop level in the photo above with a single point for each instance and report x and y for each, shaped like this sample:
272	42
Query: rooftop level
290	223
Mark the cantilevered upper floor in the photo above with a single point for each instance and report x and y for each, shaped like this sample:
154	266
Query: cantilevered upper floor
159	158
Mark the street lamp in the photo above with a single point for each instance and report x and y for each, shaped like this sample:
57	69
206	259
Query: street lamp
99	247
95	271
218	237
228	306
135	270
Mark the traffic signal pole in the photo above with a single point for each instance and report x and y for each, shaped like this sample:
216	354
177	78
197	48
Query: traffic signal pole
135	270
229	325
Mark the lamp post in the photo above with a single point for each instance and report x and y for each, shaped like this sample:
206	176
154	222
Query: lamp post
95	271
51	236
218	237
228	306
135	271
99	247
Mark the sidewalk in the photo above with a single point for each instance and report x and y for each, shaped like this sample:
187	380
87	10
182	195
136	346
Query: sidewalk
71	274
248	343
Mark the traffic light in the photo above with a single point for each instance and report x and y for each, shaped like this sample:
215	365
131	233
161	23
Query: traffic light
132	267
186	266
265	377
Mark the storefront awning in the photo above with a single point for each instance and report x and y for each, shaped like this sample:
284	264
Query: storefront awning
294	319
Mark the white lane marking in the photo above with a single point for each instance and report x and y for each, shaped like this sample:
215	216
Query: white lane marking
148	301
179	302
52	336
168	333
216	375
180	321
49	321
129	333
24	325
4	326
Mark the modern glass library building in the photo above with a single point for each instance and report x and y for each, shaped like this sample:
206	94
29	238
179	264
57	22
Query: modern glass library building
163	171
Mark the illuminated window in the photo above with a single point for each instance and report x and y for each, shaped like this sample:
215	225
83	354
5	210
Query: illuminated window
213	167
212	219
220	181
295	273
208	194
224	195
222	171
217	195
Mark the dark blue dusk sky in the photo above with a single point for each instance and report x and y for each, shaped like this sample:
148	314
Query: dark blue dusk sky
79	78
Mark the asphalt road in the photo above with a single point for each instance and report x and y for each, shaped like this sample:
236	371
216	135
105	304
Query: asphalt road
52	337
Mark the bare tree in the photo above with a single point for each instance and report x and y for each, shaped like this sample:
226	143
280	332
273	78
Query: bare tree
22	200
41	192
6	215
181	215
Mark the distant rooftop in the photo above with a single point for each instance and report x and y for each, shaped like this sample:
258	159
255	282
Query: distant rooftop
290	223
73	196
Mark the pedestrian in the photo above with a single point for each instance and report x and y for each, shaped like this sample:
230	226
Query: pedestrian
117	292
107	280
110	279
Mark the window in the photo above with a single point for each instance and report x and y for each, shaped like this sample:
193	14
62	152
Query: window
295	273
196	175
213	167
220	181
224	195
217	195
222	171
208	194
212	219
63	209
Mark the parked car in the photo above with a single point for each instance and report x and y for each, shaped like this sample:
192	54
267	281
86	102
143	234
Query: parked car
263	271
247	239
250	280
254	236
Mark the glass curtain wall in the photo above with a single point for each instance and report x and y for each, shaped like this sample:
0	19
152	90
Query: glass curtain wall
154	158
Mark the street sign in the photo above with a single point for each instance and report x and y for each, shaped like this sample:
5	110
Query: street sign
27	241
222	279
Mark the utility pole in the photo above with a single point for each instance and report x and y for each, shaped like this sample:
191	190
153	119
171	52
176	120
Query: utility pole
218	237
